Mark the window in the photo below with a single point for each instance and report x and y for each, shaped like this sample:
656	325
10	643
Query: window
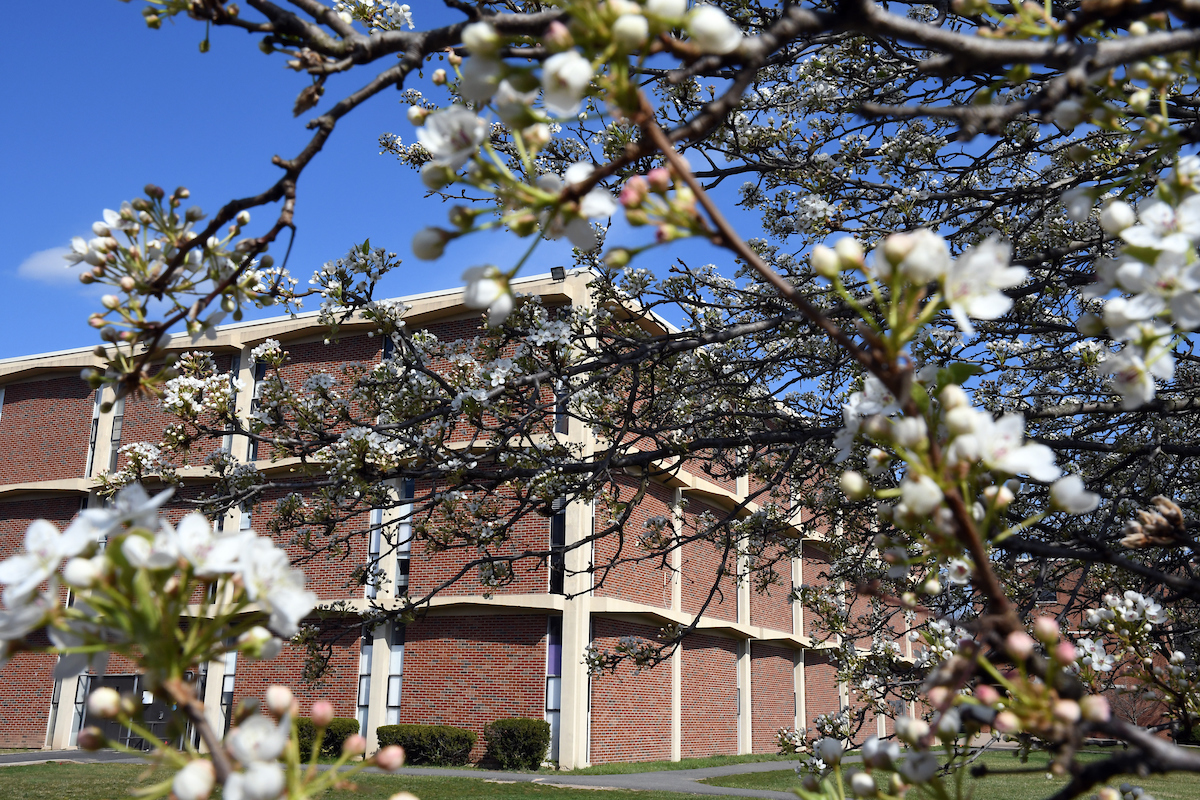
553	681
562	419
244	523
234	368
404	538
389	348
395	672
374	540
91	455
1	402
227	683
114	441
81	693
558	544
260	374
364	676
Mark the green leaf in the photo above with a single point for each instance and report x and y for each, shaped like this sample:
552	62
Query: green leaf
957	373
920	397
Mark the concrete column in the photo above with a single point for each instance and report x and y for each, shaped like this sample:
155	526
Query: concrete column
66	713
745	719
677	704
798	679
576	636
212	698
797	582
241	449
377	699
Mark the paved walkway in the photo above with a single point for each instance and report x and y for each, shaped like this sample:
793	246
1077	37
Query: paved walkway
678	780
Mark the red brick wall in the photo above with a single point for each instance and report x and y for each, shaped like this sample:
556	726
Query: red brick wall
145	421
26	691
630	711
701	563
643	581
431	566
709	696
814	567
771	606
44	429
820	687
772	686
469	671
338	685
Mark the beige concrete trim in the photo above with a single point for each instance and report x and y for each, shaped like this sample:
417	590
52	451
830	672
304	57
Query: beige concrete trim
39	490
66	715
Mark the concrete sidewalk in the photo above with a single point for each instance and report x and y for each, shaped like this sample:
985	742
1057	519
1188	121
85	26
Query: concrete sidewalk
684	781
675	780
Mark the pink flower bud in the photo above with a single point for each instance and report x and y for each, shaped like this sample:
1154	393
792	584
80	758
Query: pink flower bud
634	191
940	697
1046	629
354	744
322	713
1065	652
660	180
1007	722
1067	711
557	37
390	758
1095	708
986	694
1020	645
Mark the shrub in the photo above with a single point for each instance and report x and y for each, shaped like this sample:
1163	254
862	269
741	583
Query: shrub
437	745
339	730
519	742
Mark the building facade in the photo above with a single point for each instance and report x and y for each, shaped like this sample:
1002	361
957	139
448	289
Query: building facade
476	654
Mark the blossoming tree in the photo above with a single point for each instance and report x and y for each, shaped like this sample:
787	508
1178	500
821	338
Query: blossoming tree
963	341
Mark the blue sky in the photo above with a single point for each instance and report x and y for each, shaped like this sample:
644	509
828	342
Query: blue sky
103	105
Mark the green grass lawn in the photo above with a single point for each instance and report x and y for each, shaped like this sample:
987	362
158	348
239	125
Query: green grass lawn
1030	786
113	781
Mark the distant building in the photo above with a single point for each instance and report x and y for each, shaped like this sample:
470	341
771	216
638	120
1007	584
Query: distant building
747	671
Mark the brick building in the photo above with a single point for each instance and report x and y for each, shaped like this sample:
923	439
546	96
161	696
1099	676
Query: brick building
747	671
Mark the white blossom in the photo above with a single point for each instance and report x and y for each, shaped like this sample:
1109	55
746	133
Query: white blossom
1133	371
270	580
958	571
195	781
669	10
258	739
453	135
712	31
1166	228
631	31
1070	495
565	79
487	287
974	282
920	495
45	550
480	79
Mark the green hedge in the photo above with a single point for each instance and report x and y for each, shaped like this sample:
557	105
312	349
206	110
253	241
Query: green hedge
437	745
340	729
518	742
